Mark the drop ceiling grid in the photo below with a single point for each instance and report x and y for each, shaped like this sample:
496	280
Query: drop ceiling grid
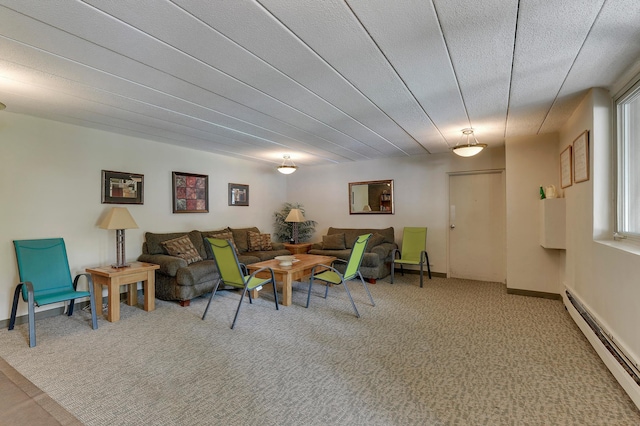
206	45
613	44
547	45
106	59
336	35
416	49
480	39
260	33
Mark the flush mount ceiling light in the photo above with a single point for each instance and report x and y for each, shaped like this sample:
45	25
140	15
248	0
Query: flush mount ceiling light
287	166
471	147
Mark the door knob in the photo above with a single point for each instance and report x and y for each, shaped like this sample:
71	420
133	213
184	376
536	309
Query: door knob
452	226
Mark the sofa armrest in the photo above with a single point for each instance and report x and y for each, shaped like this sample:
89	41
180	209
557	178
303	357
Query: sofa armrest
383	250
316	246
169	265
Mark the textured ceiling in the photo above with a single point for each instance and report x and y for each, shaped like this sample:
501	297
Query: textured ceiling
326	81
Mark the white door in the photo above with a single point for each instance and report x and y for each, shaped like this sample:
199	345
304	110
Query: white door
477	226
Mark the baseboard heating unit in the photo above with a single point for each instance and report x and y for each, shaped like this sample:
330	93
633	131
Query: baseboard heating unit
623	367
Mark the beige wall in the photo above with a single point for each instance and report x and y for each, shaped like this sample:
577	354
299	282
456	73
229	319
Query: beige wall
531	162
50	180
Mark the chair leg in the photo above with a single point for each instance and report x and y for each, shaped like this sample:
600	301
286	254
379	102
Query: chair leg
366	287
344	283
32	319
92	303
275	292
211	298
428	266
239	305
14	307
309	292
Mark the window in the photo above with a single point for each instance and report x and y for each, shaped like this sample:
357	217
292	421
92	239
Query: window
628	133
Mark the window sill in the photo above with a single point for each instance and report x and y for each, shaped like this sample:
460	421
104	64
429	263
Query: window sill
626	245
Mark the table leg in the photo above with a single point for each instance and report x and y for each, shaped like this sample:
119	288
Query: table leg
113	311
287	281
149	286
97	296
132	294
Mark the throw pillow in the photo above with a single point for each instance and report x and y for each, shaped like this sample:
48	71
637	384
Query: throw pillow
258	241
254	240
375	240
266	242
182	247
333	242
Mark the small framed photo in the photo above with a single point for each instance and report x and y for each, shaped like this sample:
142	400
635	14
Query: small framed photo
238	194
581	158
565	168
190	193
122	188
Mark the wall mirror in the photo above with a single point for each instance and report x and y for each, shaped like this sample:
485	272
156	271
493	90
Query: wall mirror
372	197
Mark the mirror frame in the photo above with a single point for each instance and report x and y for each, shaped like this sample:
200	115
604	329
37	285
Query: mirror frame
387	182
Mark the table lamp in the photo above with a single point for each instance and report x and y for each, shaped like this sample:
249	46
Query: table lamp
295	216
119	219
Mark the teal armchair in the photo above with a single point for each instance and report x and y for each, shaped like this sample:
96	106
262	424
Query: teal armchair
45	278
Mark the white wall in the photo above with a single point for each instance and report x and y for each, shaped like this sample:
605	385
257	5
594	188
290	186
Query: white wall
421	192
601	272
532	162
50	186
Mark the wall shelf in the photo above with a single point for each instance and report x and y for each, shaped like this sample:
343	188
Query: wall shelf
553	223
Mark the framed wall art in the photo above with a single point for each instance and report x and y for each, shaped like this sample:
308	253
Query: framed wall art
122	188
565	168
581	158
238	194
190	193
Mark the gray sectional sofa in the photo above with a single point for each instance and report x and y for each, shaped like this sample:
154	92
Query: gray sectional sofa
178	280
376	263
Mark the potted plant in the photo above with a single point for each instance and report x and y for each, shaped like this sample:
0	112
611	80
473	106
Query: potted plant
284	230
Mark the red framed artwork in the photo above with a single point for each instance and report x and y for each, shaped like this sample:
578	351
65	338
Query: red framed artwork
190	193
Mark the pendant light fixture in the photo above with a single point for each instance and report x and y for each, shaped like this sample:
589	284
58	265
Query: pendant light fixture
471	147
287	166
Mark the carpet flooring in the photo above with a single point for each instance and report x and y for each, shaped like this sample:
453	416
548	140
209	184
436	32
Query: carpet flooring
455	352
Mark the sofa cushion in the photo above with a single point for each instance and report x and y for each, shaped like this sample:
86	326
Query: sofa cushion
375	240
223	235
352	234
266	254
258	241
241	238
154	241
182	247
333	242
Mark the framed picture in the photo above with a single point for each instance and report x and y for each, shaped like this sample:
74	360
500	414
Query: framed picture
565	168
581	158
190	193
238	194
122	188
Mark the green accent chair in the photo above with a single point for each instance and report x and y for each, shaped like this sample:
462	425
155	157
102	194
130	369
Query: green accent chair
352	271
413	252
45	278
233	274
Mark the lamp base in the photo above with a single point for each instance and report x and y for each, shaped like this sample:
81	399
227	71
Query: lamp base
116	266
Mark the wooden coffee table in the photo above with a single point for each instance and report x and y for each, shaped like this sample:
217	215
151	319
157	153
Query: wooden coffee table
287	274
113	278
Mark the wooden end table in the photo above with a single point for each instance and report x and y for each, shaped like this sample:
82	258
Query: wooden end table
286	274
113	278
300	248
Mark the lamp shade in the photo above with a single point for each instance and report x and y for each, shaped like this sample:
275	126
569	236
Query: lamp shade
471	148
118	218
295	215
288	166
